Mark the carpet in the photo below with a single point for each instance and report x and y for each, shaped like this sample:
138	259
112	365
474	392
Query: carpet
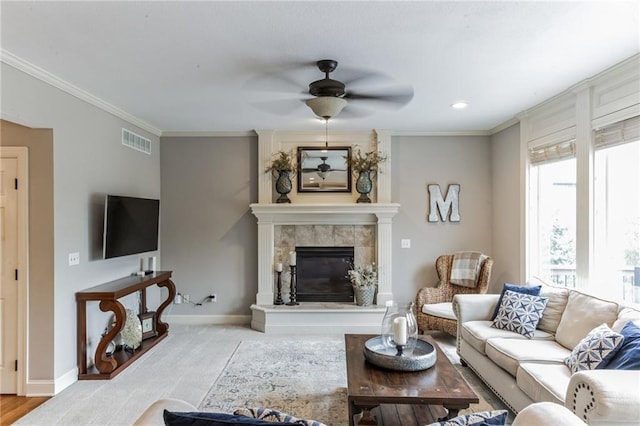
306	379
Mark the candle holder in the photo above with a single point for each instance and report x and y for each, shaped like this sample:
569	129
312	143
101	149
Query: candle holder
400	348
292	294
279	290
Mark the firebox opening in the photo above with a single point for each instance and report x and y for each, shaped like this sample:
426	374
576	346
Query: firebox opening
322	274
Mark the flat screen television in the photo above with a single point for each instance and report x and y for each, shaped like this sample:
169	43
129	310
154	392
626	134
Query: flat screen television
130	226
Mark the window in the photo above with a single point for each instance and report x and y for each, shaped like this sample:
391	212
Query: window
611	244
617	211
552	202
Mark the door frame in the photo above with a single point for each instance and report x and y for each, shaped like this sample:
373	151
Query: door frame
21	154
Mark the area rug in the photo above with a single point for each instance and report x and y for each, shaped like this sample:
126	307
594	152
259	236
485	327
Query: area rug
303	378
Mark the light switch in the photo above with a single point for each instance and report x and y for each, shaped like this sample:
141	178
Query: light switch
405	243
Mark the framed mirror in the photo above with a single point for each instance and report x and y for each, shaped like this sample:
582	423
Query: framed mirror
324	169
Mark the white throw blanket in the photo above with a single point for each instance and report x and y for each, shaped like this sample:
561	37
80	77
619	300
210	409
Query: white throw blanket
466	268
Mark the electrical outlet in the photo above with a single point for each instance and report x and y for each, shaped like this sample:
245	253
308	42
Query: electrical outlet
405	243
74	259
213	298
185	298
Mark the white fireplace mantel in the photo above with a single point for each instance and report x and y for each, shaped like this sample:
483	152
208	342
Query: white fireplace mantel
325	214
269	215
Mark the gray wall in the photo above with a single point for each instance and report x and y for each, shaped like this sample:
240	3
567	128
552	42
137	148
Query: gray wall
417	162
505	181
209	236
89	161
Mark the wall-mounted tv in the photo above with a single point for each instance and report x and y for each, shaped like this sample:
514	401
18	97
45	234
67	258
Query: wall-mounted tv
130	225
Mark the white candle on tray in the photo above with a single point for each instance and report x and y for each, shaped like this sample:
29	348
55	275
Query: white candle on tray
278	267
400	331
292	258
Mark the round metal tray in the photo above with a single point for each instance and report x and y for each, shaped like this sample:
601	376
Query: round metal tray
377	353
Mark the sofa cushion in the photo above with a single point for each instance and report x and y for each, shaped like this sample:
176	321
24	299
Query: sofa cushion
628	356
510	353
626	314
582	314
520	313
557	301
596	349
524	289
476	333
544	382
441	310
481	418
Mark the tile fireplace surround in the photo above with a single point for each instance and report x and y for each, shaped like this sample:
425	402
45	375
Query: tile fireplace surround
322	220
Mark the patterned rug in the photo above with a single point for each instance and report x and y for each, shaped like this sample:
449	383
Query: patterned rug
305	379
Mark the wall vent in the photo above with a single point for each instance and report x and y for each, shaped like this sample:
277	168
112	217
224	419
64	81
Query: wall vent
135	141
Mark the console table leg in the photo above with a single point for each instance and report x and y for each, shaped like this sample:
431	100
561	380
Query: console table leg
163	327
103	363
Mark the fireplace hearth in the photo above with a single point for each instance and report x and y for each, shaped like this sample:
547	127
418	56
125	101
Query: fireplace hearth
322	274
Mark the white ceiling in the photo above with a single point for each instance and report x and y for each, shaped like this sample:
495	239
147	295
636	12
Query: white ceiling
236	66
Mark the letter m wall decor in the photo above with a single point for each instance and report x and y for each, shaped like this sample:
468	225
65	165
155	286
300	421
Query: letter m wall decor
444	206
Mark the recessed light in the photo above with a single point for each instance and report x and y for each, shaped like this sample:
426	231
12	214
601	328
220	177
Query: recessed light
459	105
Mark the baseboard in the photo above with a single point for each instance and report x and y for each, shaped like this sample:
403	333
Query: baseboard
208	319
51	387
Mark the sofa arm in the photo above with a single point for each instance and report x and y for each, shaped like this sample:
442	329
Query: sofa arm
605	396
474	307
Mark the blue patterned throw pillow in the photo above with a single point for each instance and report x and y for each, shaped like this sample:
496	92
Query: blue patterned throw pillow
534	290
595	350
483	418
270	415
520	313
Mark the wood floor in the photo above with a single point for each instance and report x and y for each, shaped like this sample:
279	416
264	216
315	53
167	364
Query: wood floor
13	407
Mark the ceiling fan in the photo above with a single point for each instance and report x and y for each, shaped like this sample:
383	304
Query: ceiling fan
359	93
330	96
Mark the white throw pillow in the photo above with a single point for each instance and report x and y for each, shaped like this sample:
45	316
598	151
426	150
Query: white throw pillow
558	297
582	314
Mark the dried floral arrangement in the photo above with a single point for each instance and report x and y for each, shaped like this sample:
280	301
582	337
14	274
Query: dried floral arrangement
367	161
282	161
363	276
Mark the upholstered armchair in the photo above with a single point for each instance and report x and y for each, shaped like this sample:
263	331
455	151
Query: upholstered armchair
433	304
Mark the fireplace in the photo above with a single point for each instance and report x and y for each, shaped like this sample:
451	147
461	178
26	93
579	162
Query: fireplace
322	274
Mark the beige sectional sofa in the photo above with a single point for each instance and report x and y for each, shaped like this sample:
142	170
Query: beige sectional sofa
523	371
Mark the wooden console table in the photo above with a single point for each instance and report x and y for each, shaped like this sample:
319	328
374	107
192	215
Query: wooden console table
107	367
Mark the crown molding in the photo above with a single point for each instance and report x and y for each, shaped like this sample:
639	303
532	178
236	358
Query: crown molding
440	133
505	125
55	81
178	134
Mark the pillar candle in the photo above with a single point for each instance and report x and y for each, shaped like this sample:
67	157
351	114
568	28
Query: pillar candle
292	258
278	267
400	330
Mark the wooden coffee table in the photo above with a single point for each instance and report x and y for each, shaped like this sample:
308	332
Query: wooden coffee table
402	398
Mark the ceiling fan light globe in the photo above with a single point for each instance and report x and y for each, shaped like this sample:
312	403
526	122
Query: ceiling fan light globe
326	107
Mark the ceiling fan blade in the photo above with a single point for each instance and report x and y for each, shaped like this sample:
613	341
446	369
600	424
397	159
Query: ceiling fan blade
355	78
355	111
399	96
278	107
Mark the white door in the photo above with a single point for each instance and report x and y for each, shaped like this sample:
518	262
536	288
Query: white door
9	281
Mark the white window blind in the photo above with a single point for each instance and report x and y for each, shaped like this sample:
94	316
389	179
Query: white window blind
552	152
619	133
